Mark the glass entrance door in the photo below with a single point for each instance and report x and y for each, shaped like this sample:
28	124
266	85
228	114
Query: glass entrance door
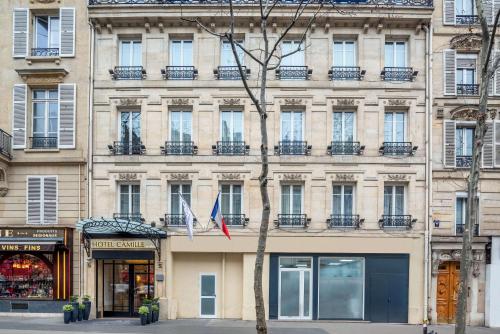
295	288
207	296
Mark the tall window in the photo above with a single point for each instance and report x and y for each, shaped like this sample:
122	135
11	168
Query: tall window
130	53
466	69
460	213
343	199
292	126
344	53
181	53
343	126
464	7
231	199
45	118
464	138
227	56
395	127
46	32
291	199
395	54
130	201
231	126
394	200
130	128
295	59
176	191
180	126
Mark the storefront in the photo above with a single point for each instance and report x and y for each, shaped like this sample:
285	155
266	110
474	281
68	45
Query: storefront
35	269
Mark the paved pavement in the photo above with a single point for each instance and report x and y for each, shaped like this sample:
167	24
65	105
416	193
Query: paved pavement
30	325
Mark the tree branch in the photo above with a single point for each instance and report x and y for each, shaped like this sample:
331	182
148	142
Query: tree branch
490	47
202	26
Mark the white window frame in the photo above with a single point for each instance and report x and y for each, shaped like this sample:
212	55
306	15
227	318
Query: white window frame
465	56
394	131
46	101
343	185
239	51
131	124
42	200
204	316
301	284
130	205
50	33
170	193
393	197
181	56
344	42
463	125
462	12
231	194
458	195
231	126
181	120
291	198
343	112
292	123
395	42
294	45
132	42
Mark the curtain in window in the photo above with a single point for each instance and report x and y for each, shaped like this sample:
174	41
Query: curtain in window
227	56
388	200
285	199
232	126
296	59
180	126
297	199
181	53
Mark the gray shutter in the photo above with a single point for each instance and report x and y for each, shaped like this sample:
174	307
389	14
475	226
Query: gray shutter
488	146
19	116
496	77
449	76
449	12
67	108
50	200
20	32
34	203
449	159
488	10
67	19
497	143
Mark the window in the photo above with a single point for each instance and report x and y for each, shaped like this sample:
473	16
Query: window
130	53
464	8
460	213
466	69
42	200
344	53
291	199
227	56
231	199
395	54
176	191
292	126
395	127
343	126
231	126
47	35
130	132
464	138
45	118
343	199
394	200
181	53
180	126
295	59
130	201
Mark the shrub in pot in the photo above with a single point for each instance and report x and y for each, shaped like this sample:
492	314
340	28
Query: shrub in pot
81	310
143	314
147	302
86	301
68	311
74	302
156	312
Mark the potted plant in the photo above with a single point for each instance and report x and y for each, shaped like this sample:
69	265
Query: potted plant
86	301
147	302
81	311
156	312
74	302
143	313
68	311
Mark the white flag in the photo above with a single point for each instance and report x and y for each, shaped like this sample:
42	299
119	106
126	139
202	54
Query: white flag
188	218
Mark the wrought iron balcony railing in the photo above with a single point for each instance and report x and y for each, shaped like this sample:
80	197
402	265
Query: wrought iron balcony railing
179	73
135	217
292	220
5	144
124	148
397	148
293	73
230	72
230	148
128	73
344	221
463	161
467	19
467	89
179	148
42	142
460	228
176	220
235	220
45	52
398	74
345	148
346	73
392	3
397	221
292	147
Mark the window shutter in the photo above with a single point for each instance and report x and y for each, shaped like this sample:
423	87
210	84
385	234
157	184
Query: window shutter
488	10
497	143
449	12
449	159
67	108
496	77
496	8
19	116
67	19
449	76
20	32
34	203
488	146
50	200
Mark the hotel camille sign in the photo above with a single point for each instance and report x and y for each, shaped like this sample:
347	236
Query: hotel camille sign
122	244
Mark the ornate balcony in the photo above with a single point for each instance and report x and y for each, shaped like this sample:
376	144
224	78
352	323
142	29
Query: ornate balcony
230	72
179	148
235	220
292	220
344	221
230	148
292	147
398	74
176	220
293	73
396	221
42	143
463	161
135	217
5	144
179	73
128	73
124	148
467	89
45	52
346	73
345	148
467	19
460	228
397	148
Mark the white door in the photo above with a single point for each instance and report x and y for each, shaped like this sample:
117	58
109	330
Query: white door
207	296
295	285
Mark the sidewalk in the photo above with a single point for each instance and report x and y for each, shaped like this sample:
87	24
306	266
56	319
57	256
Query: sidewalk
30	325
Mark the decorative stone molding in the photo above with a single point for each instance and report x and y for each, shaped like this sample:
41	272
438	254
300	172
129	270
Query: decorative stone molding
345	177
128	102
41	77
127	176
180	102
292	177
397	177
466	42
293	101
231	102
396	102
3	191
44	1
346	102
230	176
477	258
471	113
179	176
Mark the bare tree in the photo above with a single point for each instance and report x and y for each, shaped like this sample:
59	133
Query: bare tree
487	65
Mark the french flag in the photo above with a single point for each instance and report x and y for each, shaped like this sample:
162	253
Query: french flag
218	219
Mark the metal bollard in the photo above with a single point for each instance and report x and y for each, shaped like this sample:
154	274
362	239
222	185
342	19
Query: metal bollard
424	329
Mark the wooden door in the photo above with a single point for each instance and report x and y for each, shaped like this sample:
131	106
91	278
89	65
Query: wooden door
447	290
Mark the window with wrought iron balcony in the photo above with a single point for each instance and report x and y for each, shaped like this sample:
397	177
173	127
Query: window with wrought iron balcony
292	66
395	132
228	70
130	135
466	74
231	128
292	135
396	60
129	203
176	216
344	62
232	205
45	119
46	36
130	68
394	216
460	214
464	138
465	12
181	61
180	132
291	213
344	132
5	144
343	216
